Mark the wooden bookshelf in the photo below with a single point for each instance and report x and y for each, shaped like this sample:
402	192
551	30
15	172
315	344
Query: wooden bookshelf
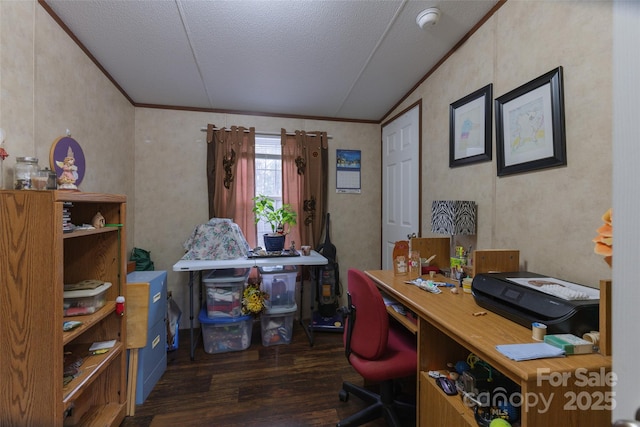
36	259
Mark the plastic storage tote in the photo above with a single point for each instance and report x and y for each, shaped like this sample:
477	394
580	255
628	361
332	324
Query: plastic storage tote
223	290
225	334
280	283
85	301
277	325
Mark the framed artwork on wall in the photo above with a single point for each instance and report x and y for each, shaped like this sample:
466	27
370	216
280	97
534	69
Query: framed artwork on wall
470	128
530	132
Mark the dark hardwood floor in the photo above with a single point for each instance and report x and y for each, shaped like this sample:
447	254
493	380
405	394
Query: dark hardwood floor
276	386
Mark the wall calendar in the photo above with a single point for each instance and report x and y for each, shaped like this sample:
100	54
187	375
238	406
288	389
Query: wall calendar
348	179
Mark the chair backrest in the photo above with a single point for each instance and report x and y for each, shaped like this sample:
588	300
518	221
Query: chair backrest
370	330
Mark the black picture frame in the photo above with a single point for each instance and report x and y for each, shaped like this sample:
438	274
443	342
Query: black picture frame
470	128
530	129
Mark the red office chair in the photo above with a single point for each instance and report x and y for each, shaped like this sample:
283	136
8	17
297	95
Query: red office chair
379	353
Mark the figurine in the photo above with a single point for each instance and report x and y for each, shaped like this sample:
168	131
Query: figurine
69	175
98	220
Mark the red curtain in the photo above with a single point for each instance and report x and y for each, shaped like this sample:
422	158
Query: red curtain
305	167
231	176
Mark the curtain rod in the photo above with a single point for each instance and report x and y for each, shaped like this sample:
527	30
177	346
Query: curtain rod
267	133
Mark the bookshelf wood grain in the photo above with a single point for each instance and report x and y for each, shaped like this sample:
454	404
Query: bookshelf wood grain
36	259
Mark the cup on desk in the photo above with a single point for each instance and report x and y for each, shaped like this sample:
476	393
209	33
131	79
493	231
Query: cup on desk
466	284
306	250
39	180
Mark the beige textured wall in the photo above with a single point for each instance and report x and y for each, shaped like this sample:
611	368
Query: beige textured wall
171	188
549	215
48	86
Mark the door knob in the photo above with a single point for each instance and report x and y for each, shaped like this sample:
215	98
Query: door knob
628	423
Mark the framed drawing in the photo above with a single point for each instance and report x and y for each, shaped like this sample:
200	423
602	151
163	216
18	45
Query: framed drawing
530	132
470	128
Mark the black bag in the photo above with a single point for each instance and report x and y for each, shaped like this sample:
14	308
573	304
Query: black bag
142	259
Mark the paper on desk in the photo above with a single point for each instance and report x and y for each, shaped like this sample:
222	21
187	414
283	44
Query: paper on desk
388	301
102	345
536	350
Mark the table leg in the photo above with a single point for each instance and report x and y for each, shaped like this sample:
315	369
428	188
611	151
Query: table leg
308	326
191	345
132	384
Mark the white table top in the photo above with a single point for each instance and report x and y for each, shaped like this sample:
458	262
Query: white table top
196	265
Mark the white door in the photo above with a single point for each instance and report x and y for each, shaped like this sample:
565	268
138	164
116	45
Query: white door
400	181
626	205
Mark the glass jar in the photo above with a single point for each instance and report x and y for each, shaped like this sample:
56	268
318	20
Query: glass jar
25	166
52	179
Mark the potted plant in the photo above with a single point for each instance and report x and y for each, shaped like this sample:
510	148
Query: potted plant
264	208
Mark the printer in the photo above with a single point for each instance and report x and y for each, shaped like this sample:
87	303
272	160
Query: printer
519	297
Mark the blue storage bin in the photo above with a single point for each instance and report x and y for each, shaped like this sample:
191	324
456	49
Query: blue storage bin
225	334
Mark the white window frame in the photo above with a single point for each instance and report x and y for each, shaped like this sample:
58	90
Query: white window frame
275	157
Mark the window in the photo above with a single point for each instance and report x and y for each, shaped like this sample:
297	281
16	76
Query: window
268	175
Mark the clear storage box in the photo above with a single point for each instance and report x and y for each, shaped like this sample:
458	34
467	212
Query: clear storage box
225	334
85	301
280	283
277	325
223	289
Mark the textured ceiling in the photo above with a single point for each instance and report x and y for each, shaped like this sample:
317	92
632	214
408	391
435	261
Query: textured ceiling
351	59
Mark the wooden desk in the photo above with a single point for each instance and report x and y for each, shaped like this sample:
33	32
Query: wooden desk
448	331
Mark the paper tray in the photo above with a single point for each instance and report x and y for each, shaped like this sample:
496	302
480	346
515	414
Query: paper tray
285	253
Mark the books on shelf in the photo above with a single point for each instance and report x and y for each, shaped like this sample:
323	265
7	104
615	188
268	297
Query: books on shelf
67	226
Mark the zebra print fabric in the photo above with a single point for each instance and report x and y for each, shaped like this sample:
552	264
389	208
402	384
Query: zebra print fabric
453	217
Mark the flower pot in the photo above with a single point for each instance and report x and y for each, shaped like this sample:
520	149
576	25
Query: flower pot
274	243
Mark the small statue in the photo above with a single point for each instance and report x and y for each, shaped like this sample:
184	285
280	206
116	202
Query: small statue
98	221
69	175
292	248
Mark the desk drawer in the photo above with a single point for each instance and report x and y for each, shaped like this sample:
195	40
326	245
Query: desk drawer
157	292
144	389
152	360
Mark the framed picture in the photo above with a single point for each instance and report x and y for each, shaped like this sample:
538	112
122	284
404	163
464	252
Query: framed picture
470	128
530	132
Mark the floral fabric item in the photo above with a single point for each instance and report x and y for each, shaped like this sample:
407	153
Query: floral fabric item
220	238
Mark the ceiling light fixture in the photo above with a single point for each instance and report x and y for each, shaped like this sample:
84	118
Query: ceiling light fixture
428	17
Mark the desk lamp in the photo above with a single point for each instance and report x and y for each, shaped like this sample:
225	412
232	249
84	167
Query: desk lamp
453	217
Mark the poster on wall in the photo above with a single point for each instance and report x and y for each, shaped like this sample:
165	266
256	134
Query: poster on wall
348	171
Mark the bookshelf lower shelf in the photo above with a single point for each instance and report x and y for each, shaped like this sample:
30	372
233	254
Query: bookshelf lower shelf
91	368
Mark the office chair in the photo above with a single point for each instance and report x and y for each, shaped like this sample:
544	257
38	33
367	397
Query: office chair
378	352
